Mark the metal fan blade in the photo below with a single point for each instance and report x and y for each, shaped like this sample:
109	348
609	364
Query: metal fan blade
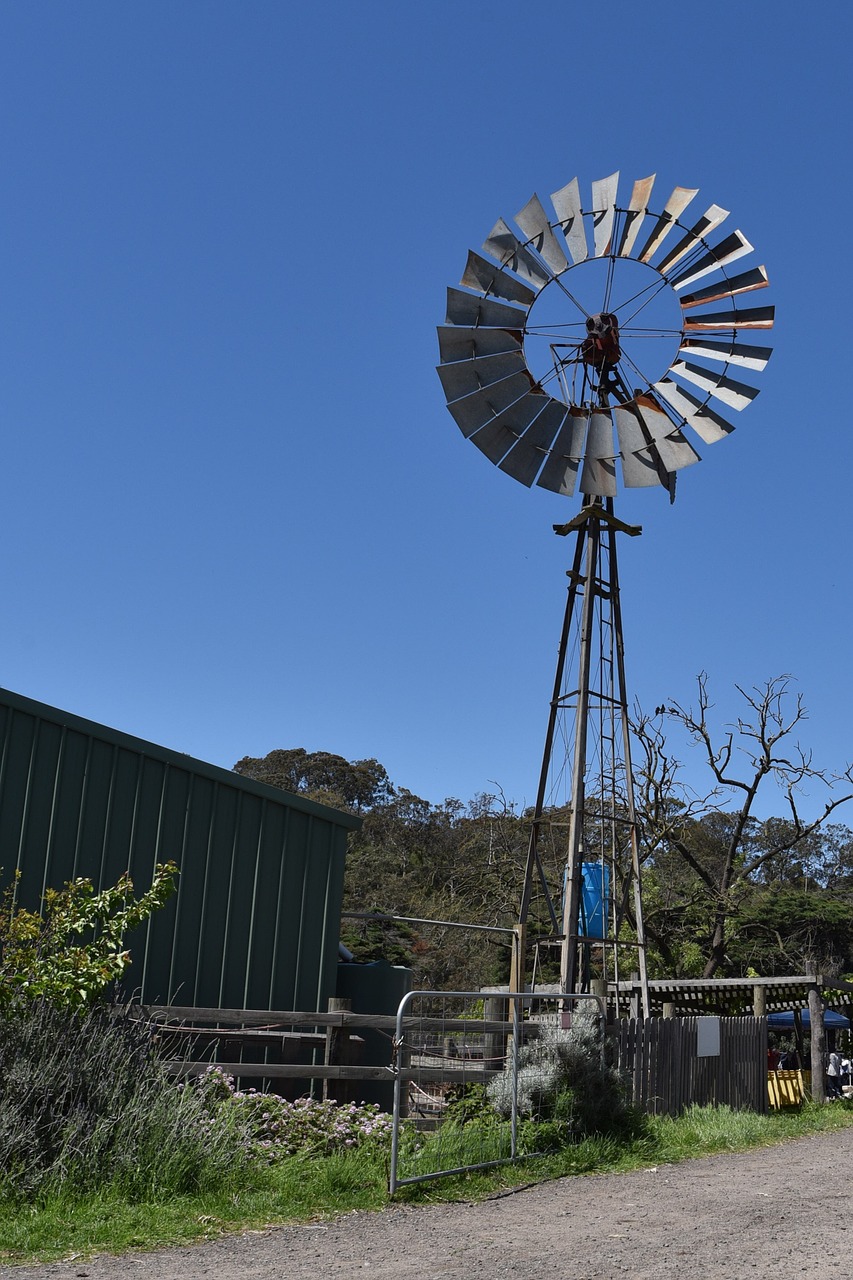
561	469
604	211
456	343
749	318
567	203
634	214
655	420
629	431
704	420
533	221
638	425
728	250
524	460
474	411
642	469
676	452
599	468
467	376
736	394
729	352
499	435
467	309
487	278
674	207
744	283
508	250
710	219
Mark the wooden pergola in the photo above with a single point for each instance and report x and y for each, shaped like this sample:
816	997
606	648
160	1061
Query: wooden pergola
737	997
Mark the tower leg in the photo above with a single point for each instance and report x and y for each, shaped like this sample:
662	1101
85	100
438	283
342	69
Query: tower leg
601	724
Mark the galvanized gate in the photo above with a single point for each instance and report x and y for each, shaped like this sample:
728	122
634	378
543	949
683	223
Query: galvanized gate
452	1049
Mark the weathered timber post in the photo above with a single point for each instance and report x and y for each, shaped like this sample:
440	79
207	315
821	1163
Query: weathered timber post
337	1052
759	1002
669	1009
494	1050
818	1043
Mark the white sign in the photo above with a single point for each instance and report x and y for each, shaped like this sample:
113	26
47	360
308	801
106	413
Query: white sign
707	1037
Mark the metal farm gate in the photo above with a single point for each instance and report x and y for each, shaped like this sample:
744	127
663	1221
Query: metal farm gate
448	1047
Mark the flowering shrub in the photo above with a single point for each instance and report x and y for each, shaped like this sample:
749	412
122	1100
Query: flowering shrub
274	1127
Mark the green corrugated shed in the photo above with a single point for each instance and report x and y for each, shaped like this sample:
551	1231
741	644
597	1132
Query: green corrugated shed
255	922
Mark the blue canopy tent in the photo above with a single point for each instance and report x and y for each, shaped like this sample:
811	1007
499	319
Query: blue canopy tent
785	1021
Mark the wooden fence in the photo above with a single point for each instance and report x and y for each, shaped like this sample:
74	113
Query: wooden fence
658	1056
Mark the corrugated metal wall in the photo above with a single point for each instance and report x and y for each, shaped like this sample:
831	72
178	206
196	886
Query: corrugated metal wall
255	922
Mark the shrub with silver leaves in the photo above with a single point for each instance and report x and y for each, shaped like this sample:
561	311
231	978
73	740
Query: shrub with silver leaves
562	1076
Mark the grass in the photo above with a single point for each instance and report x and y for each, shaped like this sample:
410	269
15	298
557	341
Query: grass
310	1188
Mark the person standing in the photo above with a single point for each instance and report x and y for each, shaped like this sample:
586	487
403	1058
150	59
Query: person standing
833	1076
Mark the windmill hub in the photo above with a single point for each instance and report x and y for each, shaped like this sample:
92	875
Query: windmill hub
601	346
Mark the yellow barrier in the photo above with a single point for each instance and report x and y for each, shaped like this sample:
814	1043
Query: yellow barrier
788	1088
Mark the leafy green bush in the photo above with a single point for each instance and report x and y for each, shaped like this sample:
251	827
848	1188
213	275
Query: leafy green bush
73	950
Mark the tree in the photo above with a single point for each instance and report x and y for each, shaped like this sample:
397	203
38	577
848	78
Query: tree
357	785
711	849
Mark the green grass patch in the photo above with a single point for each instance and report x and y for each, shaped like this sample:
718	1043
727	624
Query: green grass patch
306	1188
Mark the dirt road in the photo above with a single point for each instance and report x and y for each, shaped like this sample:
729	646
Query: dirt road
778	1212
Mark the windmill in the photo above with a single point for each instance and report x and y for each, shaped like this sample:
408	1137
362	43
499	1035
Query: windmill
585	347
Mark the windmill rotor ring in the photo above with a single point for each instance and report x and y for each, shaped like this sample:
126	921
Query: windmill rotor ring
626	385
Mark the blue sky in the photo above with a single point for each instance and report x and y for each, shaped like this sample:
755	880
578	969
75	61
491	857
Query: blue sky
236	513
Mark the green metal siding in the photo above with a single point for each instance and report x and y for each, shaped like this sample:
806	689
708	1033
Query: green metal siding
255	921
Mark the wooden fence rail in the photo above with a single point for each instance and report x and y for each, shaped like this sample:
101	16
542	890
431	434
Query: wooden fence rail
658	1056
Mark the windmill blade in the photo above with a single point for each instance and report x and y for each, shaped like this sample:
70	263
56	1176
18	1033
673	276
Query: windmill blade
500	434
629	430
656	422
744	283
484	276
731	392
729	250
468	376
729	352
561	469
710	219
456	343
533	221
474	411
705	421
635	214
637	428
567	203
749	318
599	468
676	452
469	310
604	211
674	207
507	249
642	469
524	460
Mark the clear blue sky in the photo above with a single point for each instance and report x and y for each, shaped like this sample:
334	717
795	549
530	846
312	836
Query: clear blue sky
236	513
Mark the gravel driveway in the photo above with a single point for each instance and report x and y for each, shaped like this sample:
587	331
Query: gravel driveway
777	1212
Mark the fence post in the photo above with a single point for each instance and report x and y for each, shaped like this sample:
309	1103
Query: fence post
494	1047
818	1041
337	1051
